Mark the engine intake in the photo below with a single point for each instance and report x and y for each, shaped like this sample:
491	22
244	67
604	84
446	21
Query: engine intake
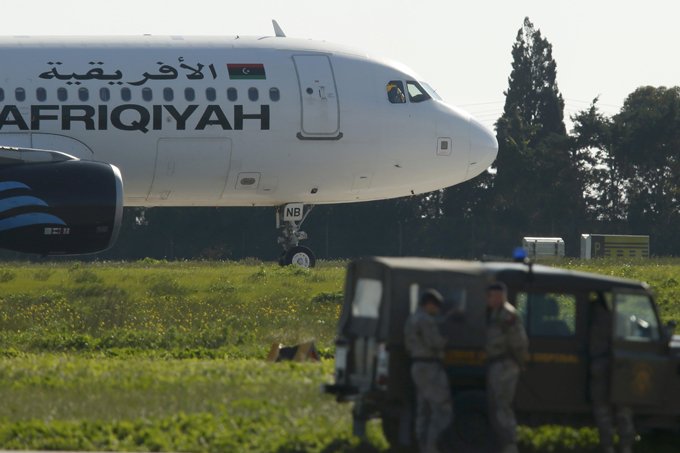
60	207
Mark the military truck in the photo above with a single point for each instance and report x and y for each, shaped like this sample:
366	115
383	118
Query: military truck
372	367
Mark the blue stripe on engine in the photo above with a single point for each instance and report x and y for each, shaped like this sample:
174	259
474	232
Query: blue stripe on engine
9	185
20	202
35	218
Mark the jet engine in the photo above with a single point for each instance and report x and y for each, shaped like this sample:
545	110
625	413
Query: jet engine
55	204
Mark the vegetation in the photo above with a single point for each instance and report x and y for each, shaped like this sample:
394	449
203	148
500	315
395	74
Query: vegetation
166	356
70	402
176	309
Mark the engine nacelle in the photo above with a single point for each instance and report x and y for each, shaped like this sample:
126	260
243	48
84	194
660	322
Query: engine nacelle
60	207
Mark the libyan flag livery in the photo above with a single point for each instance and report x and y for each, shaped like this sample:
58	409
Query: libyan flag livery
246	71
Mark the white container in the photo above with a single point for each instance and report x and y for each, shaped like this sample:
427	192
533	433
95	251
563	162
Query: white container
537	247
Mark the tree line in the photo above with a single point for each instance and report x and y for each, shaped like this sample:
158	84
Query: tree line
615	174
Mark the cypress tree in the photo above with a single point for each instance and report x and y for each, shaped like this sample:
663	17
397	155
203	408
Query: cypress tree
537	190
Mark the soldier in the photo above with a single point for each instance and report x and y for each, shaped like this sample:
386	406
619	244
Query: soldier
506	352
600	371
425	344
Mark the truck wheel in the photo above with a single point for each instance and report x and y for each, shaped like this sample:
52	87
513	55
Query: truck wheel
472	428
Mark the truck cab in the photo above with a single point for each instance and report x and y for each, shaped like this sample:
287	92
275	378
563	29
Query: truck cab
372	366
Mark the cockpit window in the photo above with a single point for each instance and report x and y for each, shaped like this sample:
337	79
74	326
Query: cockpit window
416	93
395	92
431	91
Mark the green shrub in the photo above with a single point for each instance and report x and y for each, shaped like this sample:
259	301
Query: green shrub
7	275
335	298
42	275
222	286
166	286
83	276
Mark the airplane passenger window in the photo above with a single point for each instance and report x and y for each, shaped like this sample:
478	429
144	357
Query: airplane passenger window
232	94
395	92
104	94
274	94
253	94
41	94
416	93
189	94
125	94
168	94
83	94
147	94
210	94
2	95
62	94
20	94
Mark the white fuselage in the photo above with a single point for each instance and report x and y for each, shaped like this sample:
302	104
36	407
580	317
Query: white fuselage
287	121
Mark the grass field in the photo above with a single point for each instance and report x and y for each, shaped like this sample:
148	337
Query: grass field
156	356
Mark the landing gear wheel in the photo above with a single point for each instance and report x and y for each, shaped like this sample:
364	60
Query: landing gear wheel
289	219
299	256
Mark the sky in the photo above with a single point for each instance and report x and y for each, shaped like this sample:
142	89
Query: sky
603	48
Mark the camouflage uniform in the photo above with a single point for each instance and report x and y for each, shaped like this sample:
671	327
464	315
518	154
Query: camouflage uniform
425	345
507	352
600	375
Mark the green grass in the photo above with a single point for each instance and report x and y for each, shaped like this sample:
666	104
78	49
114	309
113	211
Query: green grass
157	356
181	309
100	403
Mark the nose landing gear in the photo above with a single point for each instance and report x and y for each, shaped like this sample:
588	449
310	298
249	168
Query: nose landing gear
289	219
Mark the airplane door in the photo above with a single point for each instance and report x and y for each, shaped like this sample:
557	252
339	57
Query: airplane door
640	359
190	170
318	93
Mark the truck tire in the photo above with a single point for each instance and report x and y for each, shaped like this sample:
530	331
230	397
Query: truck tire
472	429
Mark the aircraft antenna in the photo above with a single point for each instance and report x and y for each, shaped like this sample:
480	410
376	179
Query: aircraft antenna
278	31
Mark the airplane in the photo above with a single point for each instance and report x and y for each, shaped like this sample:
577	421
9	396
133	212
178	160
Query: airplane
212	121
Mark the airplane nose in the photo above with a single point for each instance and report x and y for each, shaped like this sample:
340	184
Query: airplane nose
483	148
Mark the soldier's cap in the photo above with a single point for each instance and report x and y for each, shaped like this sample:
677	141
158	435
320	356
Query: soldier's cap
497	286
431	296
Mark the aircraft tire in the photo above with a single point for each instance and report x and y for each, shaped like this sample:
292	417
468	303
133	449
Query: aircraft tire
299	256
